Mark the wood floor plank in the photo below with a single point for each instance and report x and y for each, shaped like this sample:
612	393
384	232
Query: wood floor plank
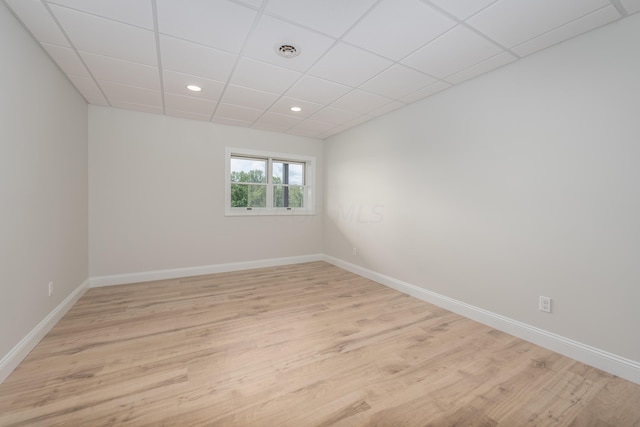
301	345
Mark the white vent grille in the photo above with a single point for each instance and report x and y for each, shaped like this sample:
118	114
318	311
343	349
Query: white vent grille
288	51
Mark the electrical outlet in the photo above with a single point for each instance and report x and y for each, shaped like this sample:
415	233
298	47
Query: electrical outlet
355	251
50	288
545	304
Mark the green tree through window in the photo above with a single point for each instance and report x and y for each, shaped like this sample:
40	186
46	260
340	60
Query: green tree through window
247	195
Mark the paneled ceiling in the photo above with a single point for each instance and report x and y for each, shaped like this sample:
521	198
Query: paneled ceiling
358	59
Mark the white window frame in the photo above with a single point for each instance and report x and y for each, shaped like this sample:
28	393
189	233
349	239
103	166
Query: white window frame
309	183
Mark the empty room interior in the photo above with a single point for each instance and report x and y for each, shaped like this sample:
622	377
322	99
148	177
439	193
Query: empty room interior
320	212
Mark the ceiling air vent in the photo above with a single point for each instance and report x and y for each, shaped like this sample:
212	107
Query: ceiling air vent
288	51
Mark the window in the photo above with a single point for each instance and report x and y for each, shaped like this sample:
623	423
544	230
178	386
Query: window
261	183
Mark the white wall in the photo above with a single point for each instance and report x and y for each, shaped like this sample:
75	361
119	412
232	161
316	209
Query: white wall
43	185
157	196
520	183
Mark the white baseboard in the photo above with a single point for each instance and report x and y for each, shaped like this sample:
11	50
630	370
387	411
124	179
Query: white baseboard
608	362
12	359
175	273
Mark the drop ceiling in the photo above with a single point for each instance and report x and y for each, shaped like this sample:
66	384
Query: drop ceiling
358	59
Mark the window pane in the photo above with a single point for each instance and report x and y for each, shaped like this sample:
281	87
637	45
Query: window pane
248	196
285	196
296	194
288	173
239	196
248	170
257	196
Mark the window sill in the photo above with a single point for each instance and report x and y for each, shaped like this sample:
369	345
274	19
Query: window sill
268	212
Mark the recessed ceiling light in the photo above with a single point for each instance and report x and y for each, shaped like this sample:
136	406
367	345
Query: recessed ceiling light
194	88
296	109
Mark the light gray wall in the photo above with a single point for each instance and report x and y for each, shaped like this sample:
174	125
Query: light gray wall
43	184
157	195
520	183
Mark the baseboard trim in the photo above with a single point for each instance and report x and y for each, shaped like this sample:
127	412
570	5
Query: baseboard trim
17	354
175	273
608	362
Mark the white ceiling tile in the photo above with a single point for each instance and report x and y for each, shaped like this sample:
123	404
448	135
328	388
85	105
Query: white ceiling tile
332	17
284	104
103	102
349	65
360	102
631	6
348	125
512	22
270	128
174	82
346	82
334	131
191	58
133	95
93	34
462	9
120	71
581	25
387	108
334	116
220	24
232	122
67	59
188	115
192	104
237	112
134	12
303	132
314	126
86	86
397	81
427	91
144	108
482	67
379	31
359	120
453	51
41	24
262	76
271	33
256	4
276	120
317	90
252	98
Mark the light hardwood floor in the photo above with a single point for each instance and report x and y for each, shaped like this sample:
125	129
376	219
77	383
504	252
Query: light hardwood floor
300	345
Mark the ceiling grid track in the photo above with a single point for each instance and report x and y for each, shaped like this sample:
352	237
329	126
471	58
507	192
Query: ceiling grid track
358	59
